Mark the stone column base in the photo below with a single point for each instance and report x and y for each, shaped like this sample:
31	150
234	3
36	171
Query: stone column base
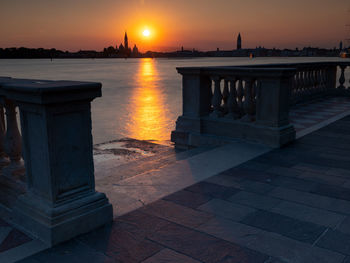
62	222
218	131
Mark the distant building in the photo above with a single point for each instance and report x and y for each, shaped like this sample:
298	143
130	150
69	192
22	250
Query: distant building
135	51
239	42
341	45
126	42
121	48
124	50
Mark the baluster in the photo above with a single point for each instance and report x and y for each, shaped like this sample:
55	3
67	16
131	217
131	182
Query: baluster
325	78
240	96
211	92
318	80
297	86
311	83
308	82
342	77
3	157
314	81
322	80
330	76
233	108
225	95
248	104
217	98
13	143
254	95
294	85
293	91
302	83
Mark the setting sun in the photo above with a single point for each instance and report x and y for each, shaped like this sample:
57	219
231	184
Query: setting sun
146	33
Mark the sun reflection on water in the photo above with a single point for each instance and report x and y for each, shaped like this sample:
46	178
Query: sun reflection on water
149	114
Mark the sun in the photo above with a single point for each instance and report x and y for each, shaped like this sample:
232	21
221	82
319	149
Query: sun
146	33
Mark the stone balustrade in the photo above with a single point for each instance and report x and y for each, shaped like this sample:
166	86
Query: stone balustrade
316	80
55	142
250	102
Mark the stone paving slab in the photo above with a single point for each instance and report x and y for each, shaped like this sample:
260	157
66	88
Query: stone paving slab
176	213
203	246
226	209
336	241
187	198
285	249
15	244
255	200
170	256
285	226
345	225
313	200
309	214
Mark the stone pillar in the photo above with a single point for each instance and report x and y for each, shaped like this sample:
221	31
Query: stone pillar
273	106
61	201
196	94
196	98
332	80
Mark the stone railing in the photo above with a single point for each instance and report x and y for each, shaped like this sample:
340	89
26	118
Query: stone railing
316	80
59	200
225	103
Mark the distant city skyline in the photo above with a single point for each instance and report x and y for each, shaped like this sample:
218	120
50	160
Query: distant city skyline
201	24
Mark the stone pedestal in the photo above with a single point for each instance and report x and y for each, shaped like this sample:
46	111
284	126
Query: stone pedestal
262	116
61	201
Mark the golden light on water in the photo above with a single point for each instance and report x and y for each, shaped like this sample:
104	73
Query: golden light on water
149	118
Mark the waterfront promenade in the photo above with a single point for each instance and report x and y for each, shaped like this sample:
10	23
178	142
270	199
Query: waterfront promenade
287	205
269	184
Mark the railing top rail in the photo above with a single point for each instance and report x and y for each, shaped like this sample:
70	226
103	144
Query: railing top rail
47	86
303	64
48	91
264	68
4	80
237	71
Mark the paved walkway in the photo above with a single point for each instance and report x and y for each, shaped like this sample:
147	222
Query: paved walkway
219	196
312	116
287	205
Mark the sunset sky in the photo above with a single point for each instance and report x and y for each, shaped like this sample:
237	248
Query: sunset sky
201	24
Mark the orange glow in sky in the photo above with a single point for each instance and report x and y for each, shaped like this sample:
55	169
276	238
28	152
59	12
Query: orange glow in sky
146	33
201	24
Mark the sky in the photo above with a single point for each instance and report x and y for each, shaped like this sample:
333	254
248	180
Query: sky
202	24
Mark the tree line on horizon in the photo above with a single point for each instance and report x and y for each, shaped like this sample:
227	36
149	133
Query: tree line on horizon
112	52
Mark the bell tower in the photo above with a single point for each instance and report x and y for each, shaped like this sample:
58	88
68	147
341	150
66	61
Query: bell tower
126	43
239	42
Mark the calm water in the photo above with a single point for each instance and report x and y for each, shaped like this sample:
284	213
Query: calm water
141	97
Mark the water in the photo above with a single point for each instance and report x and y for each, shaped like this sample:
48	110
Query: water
141	97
